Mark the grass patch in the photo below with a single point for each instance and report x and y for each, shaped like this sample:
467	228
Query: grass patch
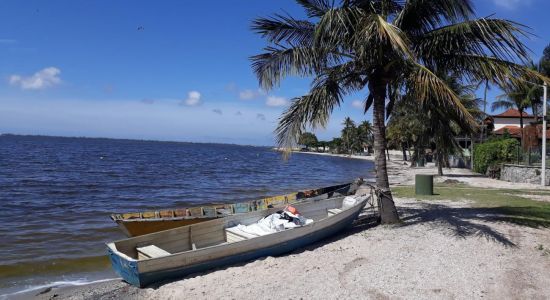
505	204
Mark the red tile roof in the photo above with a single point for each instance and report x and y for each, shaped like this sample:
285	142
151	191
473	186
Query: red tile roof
514	131
512	113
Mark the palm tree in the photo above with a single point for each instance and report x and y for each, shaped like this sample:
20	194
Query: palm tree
364	134
518	98
349	134
387	47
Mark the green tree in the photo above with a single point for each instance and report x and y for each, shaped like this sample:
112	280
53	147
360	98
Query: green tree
308	139
387	47
544	64
364	135
349	134
336	145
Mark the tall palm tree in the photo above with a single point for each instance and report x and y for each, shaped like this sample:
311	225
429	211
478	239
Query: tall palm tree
388	47
518	98
364	134
348	134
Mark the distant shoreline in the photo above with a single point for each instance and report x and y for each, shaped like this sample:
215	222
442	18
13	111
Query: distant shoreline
362	157
126	139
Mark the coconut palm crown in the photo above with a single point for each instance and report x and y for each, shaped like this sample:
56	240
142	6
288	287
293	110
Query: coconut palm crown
383	48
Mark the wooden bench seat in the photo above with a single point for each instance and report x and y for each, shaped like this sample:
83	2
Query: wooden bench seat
151	251
334	211
234	235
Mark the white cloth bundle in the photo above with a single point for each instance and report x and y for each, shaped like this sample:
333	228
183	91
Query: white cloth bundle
268	225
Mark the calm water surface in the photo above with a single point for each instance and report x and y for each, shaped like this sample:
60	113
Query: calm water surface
57	193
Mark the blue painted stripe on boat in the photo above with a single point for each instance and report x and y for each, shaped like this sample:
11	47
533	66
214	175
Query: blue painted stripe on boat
152	277
127	269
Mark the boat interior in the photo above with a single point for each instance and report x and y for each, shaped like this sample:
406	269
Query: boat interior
214	232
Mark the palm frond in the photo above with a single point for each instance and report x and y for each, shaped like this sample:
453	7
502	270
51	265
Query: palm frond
418	16
376	31
316	8
426	86
499	37
312	110
278	62
280	28
503	103
337	27
478	67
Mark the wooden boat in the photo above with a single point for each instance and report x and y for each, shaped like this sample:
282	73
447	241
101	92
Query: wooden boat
203	246
140	223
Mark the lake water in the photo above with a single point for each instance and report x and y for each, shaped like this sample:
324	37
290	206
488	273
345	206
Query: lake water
57	194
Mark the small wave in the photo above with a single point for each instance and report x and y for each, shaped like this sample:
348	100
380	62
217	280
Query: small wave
55	284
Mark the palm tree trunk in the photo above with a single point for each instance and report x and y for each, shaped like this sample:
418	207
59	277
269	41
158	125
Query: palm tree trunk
388	212
439	164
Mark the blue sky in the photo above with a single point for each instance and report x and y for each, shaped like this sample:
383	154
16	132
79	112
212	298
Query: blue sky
164	70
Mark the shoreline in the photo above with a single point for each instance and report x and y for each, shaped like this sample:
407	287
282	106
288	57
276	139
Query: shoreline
415	250
362	157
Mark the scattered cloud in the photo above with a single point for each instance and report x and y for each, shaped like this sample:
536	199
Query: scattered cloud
42	79
147	101
239	113
260	117
357	104
8	41
249	94
217	111
275	101
511	4
193	99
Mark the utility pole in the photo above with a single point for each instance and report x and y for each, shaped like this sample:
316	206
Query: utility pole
543	171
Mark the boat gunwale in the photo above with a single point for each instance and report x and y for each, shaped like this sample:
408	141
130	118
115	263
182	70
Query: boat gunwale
118	217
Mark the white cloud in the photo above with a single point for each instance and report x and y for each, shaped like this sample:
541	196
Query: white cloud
193	99
248	94
275	101
42	79
511	4
147	101
357	104
217	111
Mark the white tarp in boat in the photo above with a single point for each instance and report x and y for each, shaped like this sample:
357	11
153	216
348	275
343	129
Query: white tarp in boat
268	225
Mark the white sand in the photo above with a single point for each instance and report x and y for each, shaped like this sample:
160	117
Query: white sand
443	250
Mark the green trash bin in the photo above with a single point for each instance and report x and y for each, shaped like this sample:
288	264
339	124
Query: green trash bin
424	184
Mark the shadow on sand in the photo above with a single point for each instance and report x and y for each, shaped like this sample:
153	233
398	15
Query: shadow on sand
470	221
463	222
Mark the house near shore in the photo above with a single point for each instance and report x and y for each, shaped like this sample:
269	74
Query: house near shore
509	122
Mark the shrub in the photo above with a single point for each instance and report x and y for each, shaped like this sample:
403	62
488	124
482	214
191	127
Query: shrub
493	153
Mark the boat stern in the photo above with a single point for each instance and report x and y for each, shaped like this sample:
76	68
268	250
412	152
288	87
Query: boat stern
124	265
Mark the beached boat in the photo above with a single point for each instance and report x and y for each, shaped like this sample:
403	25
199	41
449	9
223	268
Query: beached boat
140	223
203	246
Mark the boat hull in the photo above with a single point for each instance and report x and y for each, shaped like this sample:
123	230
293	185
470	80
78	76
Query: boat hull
137	224
151	277
129	269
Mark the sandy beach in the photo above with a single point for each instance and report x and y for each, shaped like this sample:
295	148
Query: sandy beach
445	249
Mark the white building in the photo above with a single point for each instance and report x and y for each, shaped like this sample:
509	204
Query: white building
510	119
